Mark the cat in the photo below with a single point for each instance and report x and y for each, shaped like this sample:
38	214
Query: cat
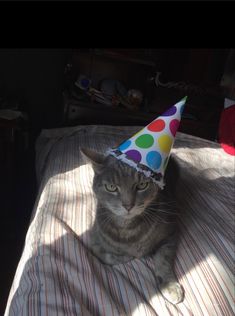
134	219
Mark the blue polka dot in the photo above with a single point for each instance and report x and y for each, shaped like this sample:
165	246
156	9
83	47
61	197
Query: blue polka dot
124	145
154	160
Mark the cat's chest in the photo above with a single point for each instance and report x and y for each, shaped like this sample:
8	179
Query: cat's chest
136	242
147	242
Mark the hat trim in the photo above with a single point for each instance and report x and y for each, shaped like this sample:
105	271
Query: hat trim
156	177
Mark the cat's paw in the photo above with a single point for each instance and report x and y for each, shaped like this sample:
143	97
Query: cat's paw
172	292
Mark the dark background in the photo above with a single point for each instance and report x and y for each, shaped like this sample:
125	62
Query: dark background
36	78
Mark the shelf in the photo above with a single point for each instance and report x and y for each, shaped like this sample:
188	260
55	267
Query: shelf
118	56
112	109
106	53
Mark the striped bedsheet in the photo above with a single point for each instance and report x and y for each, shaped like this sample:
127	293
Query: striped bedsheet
57	275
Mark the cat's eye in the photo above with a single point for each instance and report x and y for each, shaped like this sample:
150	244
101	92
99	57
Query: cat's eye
111	187
142	186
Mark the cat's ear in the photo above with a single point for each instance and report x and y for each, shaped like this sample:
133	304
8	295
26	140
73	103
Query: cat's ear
95	158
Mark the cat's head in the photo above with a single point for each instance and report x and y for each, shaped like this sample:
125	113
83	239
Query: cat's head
119	187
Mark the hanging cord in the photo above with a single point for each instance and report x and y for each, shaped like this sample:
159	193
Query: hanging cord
189	88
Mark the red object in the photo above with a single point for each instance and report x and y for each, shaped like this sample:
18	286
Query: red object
227	130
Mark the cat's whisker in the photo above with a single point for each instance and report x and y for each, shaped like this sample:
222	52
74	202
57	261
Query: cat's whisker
156	218
162	207
147	221
162	211
141	209
153	218
165	221
163	204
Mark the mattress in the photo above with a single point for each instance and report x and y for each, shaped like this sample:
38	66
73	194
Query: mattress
58	275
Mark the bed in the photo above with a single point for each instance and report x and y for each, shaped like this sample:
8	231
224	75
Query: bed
57	274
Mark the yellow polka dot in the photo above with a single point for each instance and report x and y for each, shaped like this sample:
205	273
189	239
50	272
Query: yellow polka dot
165	143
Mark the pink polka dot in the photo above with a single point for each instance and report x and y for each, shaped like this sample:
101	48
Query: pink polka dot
174	124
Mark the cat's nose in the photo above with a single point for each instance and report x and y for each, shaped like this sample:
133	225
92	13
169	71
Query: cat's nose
128	207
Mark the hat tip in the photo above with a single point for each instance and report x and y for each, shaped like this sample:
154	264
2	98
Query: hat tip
185	98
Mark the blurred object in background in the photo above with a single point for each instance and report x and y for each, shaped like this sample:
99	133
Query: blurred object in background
227	119
114	90
83	82
228	78
12	108
135	98
227	128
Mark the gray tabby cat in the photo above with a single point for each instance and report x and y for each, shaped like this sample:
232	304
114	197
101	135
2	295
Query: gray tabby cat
134	218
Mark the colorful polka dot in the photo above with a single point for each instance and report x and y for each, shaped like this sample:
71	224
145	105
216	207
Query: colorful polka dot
125	145
151	145
156	126
174	124
165	143
144	141
170	112
154	160
134	154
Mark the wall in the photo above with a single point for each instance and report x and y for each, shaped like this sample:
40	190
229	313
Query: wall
37	77
195	66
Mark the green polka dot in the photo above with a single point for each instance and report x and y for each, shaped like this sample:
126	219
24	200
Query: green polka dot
144	141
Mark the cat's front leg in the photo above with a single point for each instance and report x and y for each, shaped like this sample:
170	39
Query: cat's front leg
167	281
113	259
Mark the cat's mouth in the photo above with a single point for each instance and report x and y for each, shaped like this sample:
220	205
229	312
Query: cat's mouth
133	212
128	216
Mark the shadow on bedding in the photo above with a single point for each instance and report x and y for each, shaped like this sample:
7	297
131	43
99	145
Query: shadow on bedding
63	278
205	194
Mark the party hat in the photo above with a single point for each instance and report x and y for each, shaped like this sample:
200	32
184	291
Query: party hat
148	151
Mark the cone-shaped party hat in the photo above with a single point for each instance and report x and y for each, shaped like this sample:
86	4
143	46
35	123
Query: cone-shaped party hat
148	151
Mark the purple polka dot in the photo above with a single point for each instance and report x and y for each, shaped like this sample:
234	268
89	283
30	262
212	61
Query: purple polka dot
134	155
170	111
